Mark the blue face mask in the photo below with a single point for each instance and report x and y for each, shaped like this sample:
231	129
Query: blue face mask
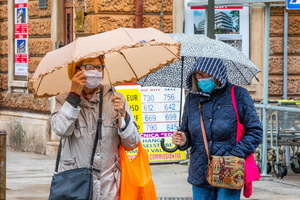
206	84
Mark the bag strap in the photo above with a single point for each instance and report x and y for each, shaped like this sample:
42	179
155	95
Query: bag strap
98	135
203	132
99	130
234	104
202	123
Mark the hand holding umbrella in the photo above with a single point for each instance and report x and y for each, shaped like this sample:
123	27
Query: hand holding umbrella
178	138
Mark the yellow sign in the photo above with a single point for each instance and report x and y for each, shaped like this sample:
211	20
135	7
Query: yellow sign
79	20
133	98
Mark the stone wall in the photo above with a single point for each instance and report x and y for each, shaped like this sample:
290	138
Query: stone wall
39	43
277	50
106	15
3	46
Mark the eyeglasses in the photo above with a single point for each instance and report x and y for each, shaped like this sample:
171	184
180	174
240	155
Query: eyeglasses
90	67
202	75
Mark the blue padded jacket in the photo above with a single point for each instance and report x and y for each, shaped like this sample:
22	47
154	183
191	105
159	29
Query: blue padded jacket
220	125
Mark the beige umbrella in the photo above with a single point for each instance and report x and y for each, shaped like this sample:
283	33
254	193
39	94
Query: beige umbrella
129	54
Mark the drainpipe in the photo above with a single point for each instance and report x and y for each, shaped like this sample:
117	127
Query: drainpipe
138	14
2	164
285	77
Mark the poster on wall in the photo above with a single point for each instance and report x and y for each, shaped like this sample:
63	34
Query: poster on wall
231	24
21	38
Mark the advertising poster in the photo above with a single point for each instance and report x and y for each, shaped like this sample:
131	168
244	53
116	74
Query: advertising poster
156	111
231	24
21	38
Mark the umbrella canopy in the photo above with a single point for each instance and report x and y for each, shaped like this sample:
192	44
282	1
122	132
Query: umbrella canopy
129	54
240	70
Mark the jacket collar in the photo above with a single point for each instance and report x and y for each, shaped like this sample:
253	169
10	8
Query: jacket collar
96	96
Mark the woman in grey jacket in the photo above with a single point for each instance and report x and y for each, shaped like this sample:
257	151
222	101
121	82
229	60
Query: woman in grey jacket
75	120
208	86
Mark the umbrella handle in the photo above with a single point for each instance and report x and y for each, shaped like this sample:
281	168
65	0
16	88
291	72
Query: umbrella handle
162	144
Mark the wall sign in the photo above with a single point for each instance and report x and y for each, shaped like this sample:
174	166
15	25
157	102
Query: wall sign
293	4
156	111
231	24
21	38
42	4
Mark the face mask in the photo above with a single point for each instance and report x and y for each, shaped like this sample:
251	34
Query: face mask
93	78
206	84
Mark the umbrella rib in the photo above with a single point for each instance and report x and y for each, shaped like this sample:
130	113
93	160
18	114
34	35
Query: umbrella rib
129	65
128	35
171	52
112	87
240	71
38	87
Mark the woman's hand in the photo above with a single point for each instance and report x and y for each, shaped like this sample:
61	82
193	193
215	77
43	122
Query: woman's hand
78	82
178	138
119	105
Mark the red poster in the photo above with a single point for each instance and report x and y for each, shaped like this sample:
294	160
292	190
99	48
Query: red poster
21	28
21	36
21	5
20	58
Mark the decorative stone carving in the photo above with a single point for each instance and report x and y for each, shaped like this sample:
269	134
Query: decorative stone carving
115	6
24	102
3	82
3	65
33	63
39	27
34	11
110	22
3	29
39	46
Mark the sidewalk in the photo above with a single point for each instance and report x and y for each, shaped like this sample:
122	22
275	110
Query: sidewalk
29	176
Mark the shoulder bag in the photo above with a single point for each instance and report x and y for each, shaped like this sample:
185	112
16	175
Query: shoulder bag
223	171
76	183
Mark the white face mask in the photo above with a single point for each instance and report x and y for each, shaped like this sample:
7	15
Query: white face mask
93	78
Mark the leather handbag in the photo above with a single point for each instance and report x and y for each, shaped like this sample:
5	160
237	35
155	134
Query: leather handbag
223	171
76	183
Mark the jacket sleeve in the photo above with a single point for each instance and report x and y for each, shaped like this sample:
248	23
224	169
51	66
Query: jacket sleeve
130	136
63	117
248	117
184	125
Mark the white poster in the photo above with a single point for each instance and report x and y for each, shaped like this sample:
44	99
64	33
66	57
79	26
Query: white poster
231	24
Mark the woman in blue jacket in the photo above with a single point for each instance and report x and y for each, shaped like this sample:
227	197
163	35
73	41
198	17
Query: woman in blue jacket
208	85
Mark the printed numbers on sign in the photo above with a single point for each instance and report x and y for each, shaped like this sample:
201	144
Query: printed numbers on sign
148	98
151	127
172	127
149	118
169	107
169	97
171	117
148	108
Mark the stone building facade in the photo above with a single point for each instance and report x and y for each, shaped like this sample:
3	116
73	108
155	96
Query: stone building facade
277	50
25	118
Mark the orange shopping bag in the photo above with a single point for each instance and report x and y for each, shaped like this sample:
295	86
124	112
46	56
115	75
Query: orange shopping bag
136	177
